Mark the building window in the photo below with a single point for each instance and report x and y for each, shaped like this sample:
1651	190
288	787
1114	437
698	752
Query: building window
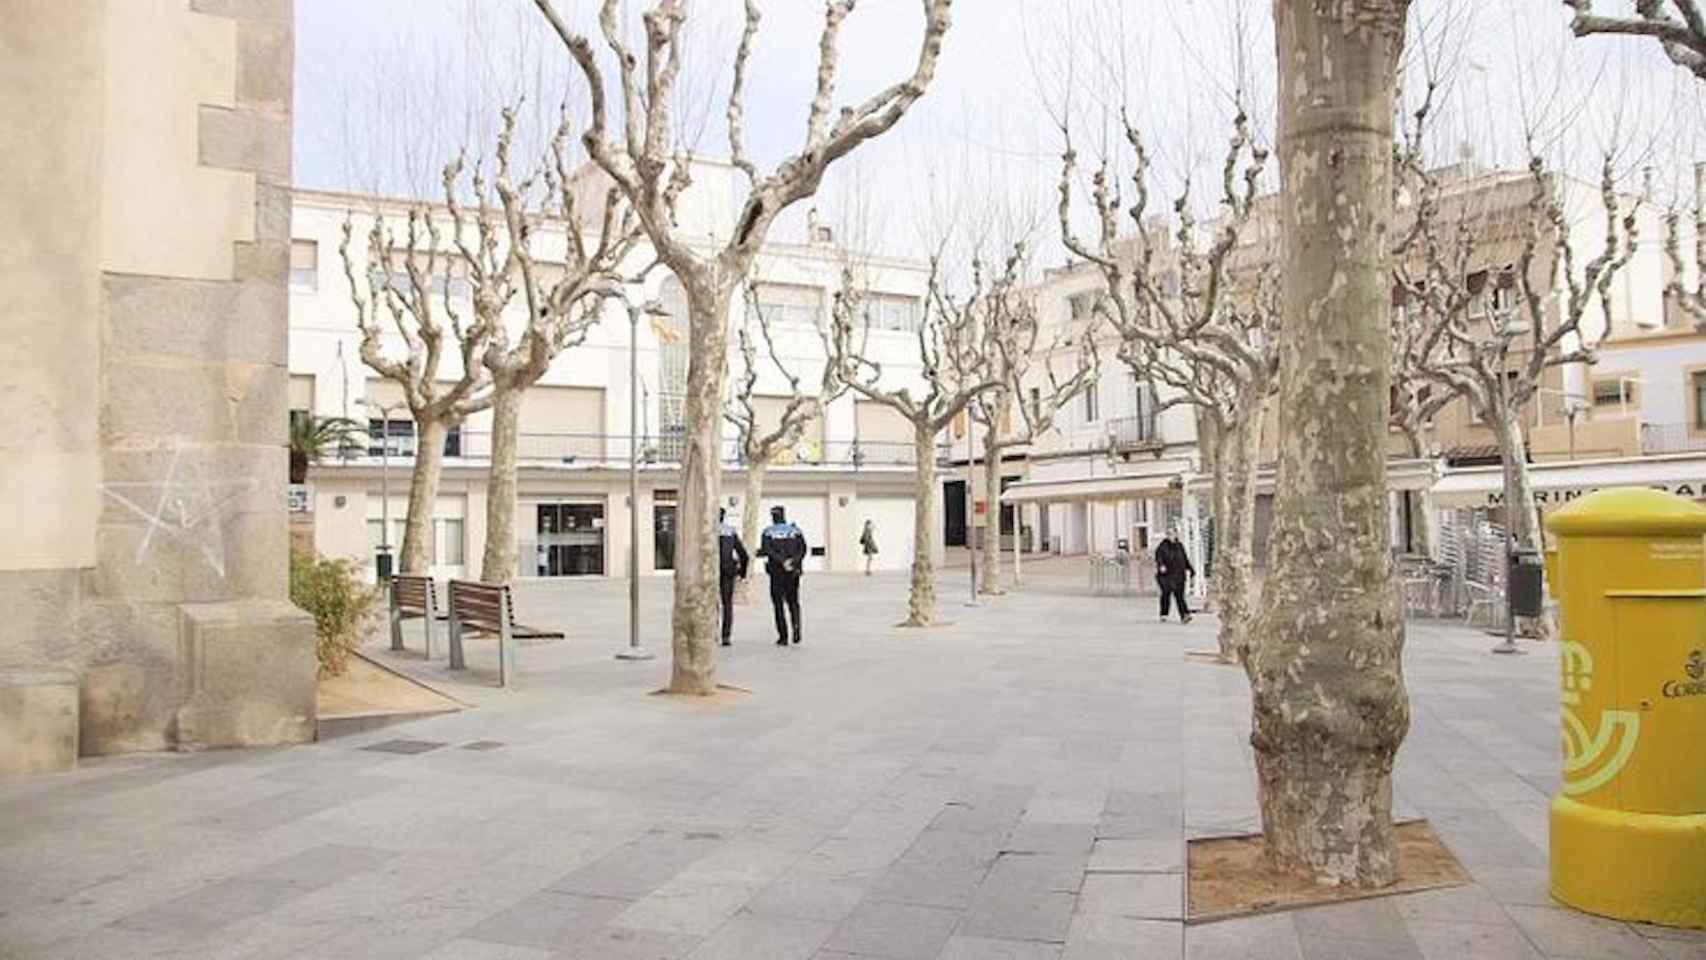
376	526
887	311
450	539
399	439
1613	393
789	304
1083	305
1699	380
1091	415
304	265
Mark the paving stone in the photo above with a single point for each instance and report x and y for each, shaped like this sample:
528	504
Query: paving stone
464	949
1140	896
1333	948
1566	933
1019	914
620	943
807	899
983	948
636	869
1270	937
1471	941
1150	854
1376	921
895	931
750	935
549	919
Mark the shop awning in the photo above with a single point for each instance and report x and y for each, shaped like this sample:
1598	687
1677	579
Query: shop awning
1131	487
1558	483
1400	475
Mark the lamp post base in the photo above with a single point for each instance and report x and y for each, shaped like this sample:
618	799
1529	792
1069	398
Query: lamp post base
634	653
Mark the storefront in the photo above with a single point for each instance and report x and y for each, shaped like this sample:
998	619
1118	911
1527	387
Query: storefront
567	540
1555	484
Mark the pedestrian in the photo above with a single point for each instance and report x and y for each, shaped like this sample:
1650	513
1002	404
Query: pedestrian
783	548
868	543
1172	566
732	563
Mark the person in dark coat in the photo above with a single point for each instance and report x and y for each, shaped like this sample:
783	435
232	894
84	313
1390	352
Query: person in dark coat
783	548
1172	566
732	562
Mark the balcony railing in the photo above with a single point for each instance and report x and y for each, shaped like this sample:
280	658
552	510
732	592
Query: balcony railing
1134	433
1657	438
562	449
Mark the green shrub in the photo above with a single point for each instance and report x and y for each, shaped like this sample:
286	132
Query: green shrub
343	606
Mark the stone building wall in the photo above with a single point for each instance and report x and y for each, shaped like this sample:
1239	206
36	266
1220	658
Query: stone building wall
149	246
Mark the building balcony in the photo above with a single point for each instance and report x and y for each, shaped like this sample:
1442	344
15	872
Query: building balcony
1658	438
610	451
1129	434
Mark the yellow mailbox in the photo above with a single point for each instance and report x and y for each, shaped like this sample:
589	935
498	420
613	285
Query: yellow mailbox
1628	837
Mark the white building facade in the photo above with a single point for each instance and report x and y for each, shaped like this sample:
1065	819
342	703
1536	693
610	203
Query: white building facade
856	464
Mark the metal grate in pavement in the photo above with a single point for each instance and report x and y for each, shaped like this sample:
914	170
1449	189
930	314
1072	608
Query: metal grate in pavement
404	746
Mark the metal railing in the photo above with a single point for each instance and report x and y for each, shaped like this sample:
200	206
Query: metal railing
1657	438
613	449
1136	432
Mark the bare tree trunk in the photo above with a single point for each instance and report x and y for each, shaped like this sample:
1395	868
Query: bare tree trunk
1235	554
423	495
989	575
695	626
1522	514
1329	705
921	600
498	560
750	512
1220	443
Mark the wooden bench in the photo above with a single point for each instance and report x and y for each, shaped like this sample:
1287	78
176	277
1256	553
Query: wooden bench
489	608
412	598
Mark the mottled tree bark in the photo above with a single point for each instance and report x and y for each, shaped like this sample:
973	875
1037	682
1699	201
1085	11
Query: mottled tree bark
751	510
1234	555
1329	705
497	560
989	573
423	495
1522	514
695	611
921	599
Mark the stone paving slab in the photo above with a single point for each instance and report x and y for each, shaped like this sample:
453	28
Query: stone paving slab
1017	785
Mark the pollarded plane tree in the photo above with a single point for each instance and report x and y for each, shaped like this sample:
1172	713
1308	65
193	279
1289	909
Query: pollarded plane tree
1202	322
1328	705
1678	26
652	170
955	368
1691	301
562	299
758	440
490	249
1497	302
1019	362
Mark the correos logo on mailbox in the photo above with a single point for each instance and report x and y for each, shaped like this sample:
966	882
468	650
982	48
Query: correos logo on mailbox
1695	686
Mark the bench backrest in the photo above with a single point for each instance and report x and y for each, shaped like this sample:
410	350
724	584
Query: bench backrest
480	605
412	593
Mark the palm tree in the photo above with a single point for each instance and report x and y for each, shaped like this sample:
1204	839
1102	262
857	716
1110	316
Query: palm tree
312	437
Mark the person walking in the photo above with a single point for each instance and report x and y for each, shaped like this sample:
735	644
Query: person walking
1172	566
783	548
732	563
868	543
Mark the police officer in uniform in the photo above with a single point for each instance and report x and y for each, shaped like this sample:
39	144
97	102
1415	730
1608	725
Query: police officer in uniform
732	562
783	548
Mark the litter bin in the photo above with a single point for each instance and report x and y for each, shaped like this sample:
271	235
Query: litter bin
1628	825
1524	583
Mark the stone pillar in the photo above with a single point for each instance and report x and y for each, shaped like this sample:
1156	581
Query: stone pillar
157	352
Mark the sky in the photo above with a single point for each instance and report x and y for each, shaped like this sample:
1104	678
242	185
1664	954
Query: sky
388	90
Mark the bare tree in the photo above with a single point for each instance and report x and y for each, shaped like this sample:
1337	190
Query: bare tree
758	440
1329	708
400	281
562	301
1490	335
1683	36
1012	329
1690	302
652	173
956	368
1201	321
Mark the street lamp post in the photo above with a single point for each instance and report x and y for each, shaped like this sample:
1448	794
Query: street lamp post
382	564
614	291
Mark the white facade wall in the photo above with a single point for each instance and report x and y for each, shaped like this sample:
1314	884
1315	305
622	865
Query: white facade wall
326	368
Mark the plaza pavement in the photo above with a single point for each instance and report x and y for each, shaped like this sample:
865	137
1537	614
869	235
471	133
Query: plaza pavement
1016	785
